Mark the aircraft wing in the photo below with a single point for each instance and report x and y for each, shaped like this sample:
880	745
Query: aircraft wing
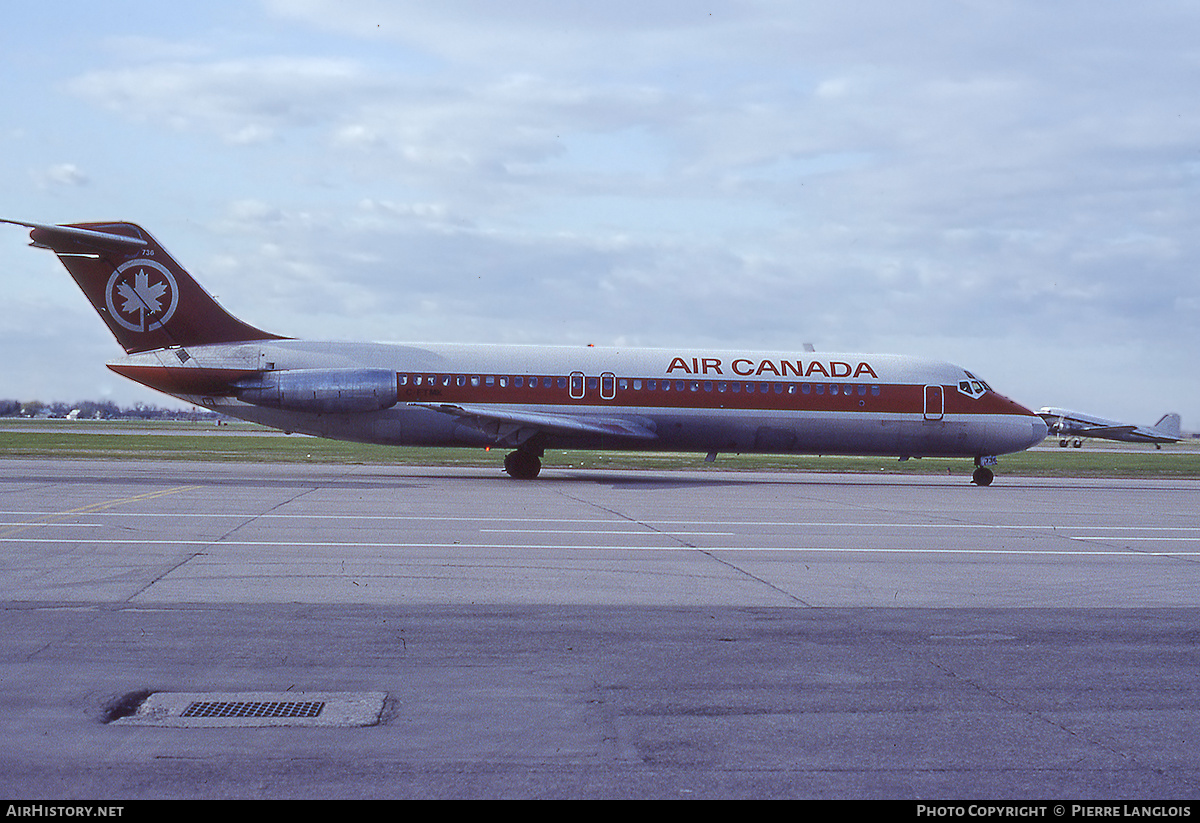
1102	431
514	427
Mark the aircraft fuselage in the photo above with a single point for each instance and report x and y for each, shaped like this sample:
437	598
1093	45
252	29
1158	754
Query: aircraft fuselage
659	399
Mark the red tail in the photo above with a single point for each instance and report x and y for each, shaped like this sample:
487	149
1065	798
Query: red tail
147	299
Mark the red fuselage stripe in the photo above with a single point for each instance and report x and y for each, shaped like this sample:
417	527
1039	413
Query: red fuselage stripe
622	392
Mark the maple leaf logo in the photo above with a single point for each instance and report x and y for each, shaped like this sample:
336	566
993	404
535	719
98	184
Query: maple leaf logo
141	296
137	303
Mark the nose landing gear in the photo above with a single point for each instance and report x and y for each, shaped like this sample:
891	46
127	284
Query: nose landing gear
983	476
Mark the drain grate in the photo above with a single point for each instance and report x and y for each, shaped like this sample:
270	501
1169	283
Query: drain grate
232	709
246	708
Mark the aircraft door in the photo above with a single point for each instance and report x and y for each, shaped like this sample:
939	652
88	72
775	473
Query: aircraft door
935	403
608	386
578	385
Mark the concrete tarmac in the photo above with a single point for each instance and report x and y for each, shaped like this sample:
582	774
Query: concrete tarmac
600	634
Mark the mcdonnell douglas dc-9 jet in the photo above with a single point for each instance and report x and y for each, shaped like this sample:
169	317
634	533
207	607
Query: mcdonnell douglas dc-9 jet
179	341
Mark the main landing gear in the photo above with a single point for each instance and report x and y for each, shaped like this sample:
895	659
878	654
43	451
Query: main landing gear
523	464
983	476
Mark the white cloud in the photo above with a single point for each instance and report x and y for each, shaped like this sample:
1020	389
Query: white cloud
63	174
246	100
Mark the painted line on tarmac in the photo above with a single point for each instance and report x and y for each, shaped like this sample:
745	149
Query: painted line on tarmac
49	518
352	544
1054	528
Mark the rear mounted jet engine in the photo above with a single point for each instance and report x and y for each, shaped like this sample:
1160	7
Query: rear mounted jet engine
327	391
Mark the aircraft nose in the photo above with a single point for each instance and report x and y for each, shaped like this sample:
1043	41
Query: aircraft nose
1040	431
1037	431
1022	430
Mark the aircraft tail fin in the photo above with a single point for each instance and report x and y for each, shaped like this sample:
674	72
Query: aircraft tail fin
147	299
1169	424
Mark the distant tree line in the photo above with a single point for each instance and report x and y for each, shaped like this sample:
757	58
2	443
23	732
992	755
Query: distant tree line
99	410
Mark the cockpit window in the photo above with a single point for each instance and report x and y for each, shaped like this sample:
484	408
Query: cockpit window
973	387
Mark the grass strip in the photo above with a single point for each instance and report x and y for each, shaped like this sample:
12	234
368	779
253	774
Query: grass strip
256	445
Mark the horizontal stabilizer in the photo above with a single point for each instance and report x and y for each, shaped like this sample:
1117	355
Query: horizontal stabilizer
74	240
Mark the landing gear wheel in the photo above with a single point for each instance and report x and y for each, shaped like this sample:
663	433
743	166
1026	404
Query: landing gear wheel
522	465
982	477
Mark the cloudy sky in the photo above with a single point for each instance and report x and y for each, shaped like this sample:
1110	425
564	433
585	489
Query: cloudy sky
1011	186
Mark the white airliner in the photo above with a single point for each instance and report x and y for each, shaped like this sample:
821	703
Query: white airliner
1074	426
179	341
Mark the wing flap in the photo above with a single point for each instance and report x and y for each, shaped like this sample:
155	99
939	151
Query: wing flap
515	426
